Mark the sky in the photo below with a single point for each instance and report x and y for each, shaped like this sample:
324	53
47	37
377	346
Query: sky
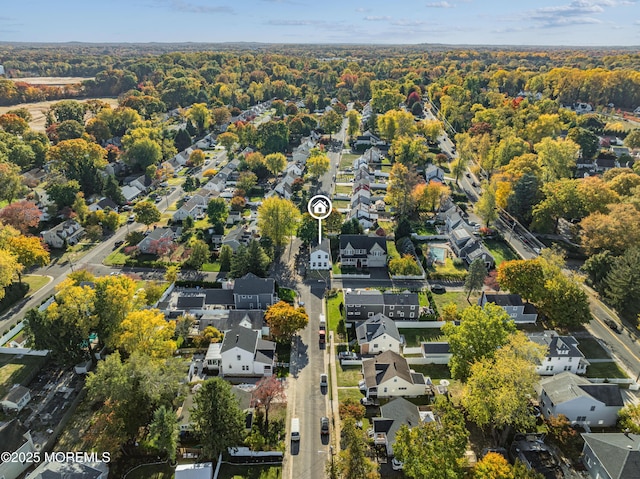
478	22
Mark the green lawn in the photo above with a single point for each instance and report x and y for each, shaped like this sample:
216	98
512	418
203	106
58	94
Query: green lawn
605	370
333	311
339	204
592	349
202	224
422	297
175	181
157	471
35	281
353	393
414	337
117	257
211	267
345	190
392	251
457	297
500	251
388	226
348	375
230	471
449	269
386	168
347	159
434	371
17	371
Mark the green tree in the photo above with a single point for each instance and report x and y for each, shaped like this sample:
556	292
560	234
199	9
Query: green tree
526	194
273	137
228	139
285	320
633	139
318	163
9	268
217	418
409	151
278	219
523	277
11	185
353	126
144	152
81	161
629	418
623	283
331	122
200	116
434	449
586	140
80	207
217	210
481	332
353	462
68	110
196	158
146	213
246	181
225	258
182	141
275	163
199	254
556	158
475	279
402	182
405	266
163	432
485	208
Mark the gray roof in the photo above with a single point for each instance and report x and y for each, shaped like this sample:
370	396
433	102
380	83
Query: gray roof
375	327
436	348
619	454
567	386
218	296
362	242
385	366
504	299
190	302
401	299
12	436
240	337
363	296
394	414
158	233
324	246
251	284
69	470
557	346
16	393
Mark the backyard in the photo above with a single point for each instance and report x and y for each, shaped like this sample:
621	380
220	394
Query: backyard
605	370
17	370
448	270
500	251
333	310
347	159
413	337
457	297
348	375
434	371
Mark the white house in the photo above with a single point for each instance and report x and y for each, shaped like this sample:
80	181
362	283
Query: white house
378	334
149	243
388	375
195	207
393	415
16	399
14	438
562	354
203	470
70	232
320	257
67	470
362	251
245	353
130	193
581	401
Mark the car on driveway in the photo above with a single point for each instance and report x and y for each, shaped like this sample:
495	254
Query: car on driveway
396	465
324	425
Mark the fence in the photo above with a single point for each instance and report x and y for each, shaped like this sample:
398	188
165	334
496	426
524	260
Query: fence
11	333
420	324
23	351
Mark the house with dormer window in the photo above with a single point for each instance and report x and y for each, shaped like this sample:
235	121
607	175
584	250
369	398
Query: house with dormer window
562	354
362	251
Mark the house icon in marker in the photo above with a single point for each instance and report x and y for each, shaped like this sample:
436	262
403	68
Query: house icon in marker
320	207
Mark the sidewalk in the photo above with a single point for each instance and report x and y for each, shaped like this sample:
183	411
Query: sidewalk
334	402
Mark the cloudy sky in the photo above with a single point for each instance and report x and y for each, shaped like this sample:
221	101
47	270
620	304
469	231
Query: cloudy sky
498	22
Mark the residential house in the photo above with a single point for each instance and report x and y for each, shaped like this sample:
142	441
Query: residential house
436	352
244	353
362	176
141	182
362	251
433	173
605	164
194	207
388	375
611	455
580	400
104	204
562	354
203	470
234	217
320	257
130	193
251	292
362	304
15	438
67	233
393	415
294	169
16	399
69	470
378	334
366	140
157	237
366	216
520	312
238	236
475	250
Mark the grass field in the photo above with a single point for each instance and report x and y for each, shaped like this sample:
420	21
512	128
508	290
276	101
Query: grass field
434	371
333	311
229	471
211	267
414	337
117	257
345	190
16	371
449	269
592	349
35	281
348	375
605	370
392	251
500	251
152	471
347	159
353	393
457	297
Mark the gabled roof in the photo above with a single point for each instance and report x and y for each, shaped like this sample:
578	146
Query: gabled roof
251	284
375	327
362	242
243	338
218	296
324	246
384	367
16	393
394	414
69	470
400	299
363	296
618	453
504	299
557	346
190	302
567	386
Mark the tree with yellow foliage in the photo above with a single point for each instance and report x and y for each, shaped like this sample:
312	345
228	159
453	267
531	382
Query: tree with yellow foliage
148	332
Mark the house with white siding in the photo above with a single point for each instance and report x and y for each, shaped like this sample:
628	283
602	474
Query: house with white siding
562	354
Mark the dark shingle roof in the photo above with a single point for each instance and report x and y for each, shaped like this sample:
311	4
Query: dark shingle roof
385	366
240	337
401	299
435	348
16	394
12	436
362	242
609	394
251	284
619	454
375	327
218	296
190	302
394	414
504	299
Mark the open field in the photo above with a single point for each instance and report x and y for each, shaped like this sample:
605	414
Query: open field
39	109
457	297
52	81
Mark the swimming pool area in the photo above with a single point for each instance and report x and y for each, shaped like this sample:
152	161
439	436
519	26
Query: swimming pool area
438	253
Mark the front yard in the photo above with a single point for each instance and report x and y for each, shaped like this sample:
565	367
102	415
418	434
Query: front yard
333	311
457	297
591	349
413	337
605	370
448	270
348	375
500	251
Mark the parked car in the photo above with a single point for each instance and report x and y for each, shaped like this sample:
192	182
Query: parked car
438	289
131	219
324	425
117	244
347	355
396	465
324	382
369	402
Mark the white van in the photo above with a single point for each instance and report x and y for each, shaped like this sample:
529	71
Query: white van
295	429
